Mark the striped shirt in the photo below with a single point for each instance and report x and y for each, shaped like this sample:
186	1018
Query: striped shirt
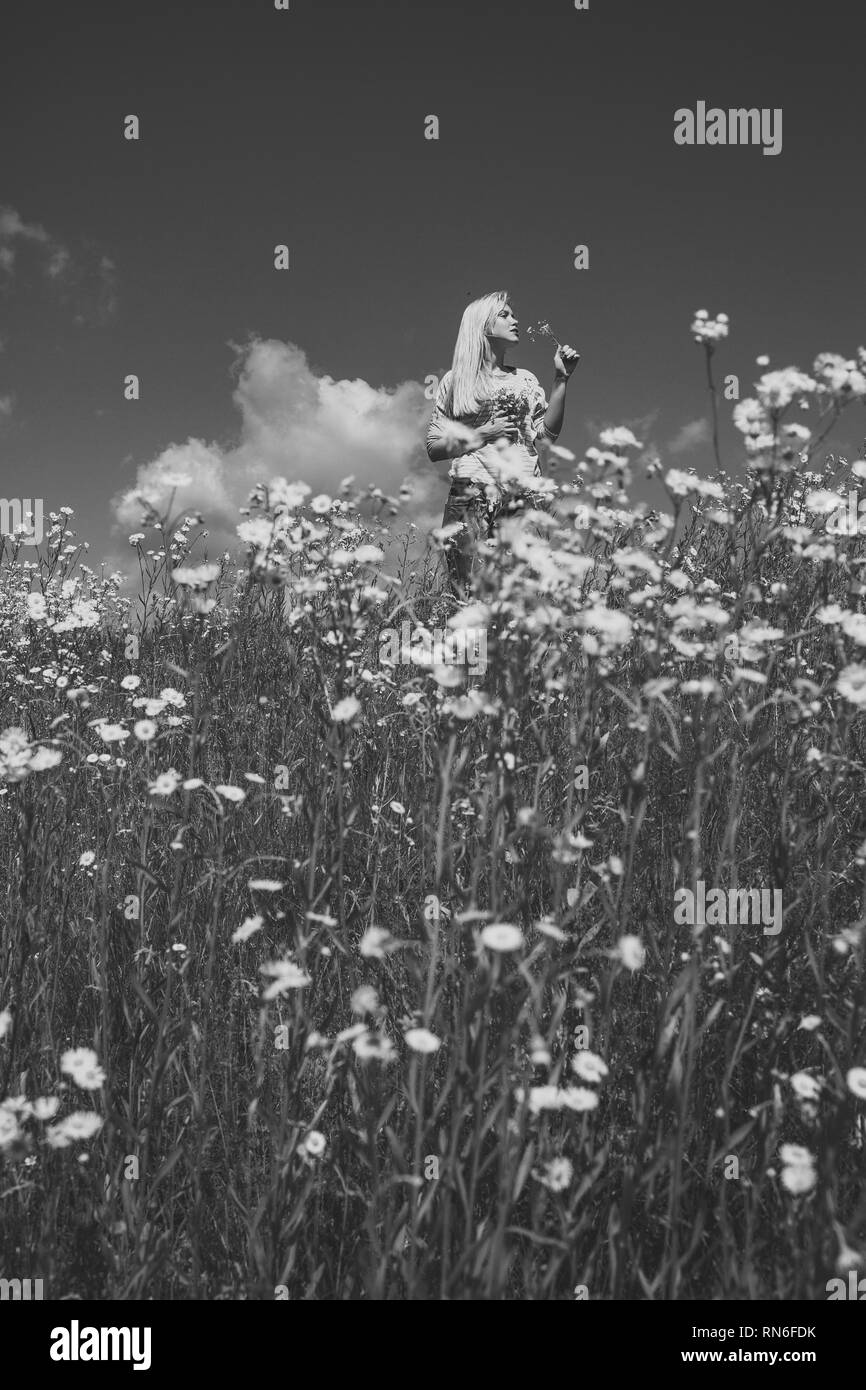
524	394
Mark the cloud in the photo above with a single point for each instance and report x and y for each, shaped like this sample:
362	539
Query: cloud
13	229
688	436
296	424
86	281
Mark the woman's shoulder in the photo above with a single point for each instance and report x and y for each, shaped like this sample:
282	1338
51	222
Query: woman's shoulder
444	387
443	391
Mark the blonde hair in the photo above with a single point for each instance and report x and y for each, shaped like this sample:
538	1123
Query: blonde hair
471	379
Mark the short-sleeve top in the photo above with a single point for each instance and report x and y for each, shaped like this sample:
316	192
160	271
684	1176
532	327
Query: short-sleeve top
521	390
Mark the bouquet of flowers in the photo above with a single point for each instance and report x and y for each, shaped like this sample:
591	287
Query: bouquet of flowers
542	329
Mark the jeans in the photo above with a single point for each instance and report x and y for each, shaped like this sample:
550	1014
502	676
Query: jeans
468	504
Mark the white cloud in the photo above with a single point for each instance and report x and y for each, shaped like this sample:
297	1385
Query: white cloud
58	262
688	436
301	425
85	281
13	228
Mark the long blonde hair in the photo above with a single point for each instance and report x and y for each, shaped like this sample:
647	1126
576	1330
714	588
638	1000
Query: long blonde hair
471	369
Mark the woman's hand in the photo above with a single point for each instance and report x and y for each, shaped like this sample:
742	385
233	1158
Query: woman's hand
504	423
565	360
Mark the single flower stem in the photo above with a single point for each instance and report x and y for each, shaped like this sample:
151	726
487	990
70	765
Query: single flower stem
715	407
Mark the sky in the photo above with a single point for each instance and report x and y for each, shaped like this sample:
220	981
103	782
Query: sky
305	127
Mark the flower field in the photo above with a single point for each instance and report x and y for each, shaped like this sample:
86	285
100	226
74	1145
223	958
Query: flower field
329	975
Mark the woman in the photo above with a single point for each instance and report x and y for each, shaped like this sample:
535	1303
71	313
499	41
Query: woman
499	403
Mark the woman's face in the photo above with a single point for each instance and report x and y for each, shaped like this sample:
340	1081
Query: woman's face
504	326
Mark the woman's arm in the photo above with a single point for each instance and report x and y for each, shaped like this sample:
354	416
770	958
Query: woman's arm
448	439
439	447
564	363
442	437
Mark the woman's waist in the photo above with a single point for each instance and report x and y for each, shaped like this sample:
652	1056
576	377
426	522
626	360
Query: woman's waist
516	460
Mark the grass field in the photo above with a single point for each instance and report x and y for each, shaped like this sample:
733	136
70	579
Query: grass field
328	976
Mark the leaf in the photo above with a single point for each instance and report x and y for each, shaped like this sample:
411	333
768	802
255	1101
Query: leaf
731	1143
523	1170
165	1168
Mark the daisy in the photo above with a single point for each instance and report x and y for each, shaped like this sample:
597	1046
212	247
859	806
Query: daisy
374	1047
165	784
369	554
589	1067
376	943
346	710
365	1000
823	502
851	684
257	532
81	1124
422	1040
799	1179
856	1081
288	496
286	975
46	1107
618	438
150	707
173	697
556	1175
805	1086
230	792
502	936
313	1144
43	758
795	1156
112	733
195	577
544	1098
579	1098
82	1064
631	952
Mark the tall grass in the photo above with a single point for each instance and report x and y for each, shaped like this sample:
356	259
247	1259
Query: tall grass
410	1104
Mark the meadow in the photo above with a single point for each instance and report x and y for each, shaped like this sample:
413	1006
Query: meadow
326	974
